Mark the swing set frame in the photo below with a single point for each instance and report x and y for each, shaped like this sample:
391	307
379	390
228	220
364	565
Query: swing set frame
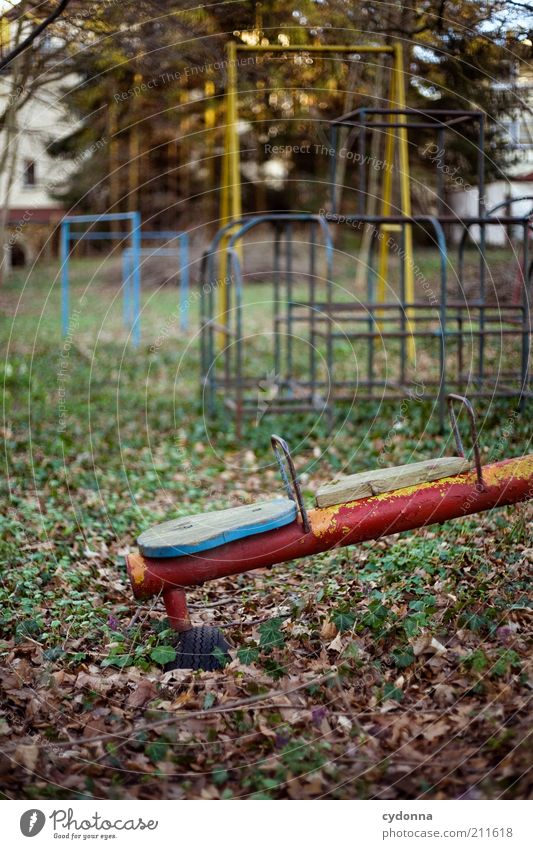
396	139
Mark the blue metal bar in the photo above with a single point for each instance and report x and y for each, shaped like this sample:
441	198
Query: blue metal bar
94	219
207	277
287	237
126	285
254	220
148	252
65	245
136	277
98	234
131	273
162	234
106	234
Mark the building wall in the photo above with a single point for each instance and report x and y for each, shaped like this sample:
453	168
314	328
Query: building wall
465	204
519	176
33	211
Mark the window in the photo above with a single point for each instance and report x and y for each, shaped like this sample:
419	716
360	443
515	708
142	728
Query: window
29	176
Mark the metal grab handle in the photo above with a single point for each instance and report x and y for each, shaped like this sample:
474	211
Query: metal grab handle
473	433
294	492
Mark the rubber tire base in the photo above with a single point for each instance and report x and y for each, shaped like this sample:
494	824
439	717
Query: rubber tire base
195	650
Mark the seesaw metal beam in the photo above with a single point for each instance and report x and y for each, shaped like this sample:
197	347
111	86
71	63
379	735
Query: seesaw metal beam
505	482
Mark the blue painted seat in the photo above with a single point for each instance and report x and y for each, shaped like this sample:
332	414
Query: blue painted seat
192	534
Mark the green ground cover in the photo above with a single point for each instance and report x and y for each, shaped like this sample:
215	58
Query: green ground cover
395	669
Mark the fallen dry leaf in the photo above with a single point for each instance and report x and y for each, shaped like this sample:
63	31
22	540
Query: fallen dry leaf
27	756
336	644
329	630
144	691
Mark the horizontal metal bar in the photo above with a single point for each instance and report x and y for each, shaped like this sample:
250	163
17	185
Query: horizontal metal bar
95	219
397	125
372	110
389	392
404	334
334	218
367	313
455	114
97	235
163	234
153	251
389	305
312	48
221	327
108	234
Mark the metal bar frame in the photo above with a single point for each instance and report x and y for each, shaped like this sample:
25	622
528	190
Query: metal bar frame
134	234
231	188
444	321
439	119
182	254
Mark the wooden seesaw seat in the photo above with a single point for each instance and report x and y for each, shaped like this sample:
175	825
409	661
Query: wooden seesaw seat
378	481
192	534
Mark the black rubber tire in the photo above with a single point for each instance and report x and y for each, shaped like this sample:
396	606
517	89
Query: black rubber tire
195	650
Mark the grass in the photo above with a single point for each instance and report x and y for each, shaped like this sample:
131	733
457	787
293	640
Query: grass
100	442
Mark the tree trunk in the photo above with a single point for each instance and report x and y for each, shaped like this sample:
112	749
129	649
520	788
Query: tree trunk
9	154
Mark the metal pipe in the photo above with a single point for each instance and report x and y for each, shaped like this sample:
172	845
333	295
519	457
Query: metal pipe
506	482
362	167
176	608
135	238
313	48
126	281
312	315
333	168
184	281
287	237
482	247
94	219
526	322
466	113
292	486
65	293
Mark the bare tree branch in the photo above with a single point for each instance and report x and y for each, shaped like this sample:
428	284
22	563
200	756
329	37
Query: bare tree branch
61	6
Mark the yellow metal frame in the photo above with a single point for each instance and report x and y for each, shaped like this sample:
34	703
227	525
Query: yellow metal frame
231	189
210	123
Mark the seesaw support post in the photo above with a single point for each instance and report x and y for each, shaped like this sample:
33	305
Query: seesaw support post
176	608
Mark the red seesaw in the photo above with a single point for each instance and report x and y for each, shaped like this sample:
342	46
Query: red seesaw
187	552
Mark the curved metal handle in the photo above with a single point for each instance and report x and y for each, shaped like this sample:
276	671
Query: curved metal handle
473	432
295	493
